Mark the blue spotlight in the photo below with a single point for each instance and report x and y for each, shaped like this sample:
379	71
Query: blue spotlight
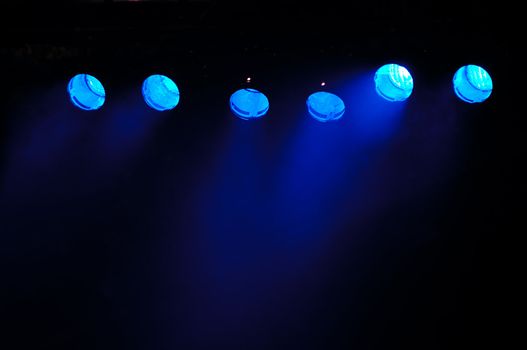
325	106
393	82
86	92
249	104
472	84
160	92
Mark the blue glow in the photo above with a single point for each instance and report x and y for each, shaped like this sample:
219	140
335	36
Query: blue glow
249	104
86	92
160	92
325	106
472	84
393	82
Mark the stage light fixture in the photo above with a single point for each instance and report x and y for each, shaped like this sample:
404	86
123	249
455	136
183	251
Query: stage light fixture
472	84
160	92
394	82
86	92
325	106
249	104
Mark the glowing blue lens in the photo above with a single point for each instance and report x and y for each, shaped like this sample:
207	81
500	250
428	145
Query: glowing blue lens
160	92
86	92
393	82
324	106
249	104
472	84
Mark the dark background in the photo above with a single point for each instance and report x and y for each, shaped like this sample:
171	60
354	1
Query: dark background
125	228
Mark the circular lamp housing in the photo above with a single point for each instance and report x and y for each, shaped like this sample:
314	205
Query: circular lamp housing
160	92
86	92
325	106
249	104
472	84
394	82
